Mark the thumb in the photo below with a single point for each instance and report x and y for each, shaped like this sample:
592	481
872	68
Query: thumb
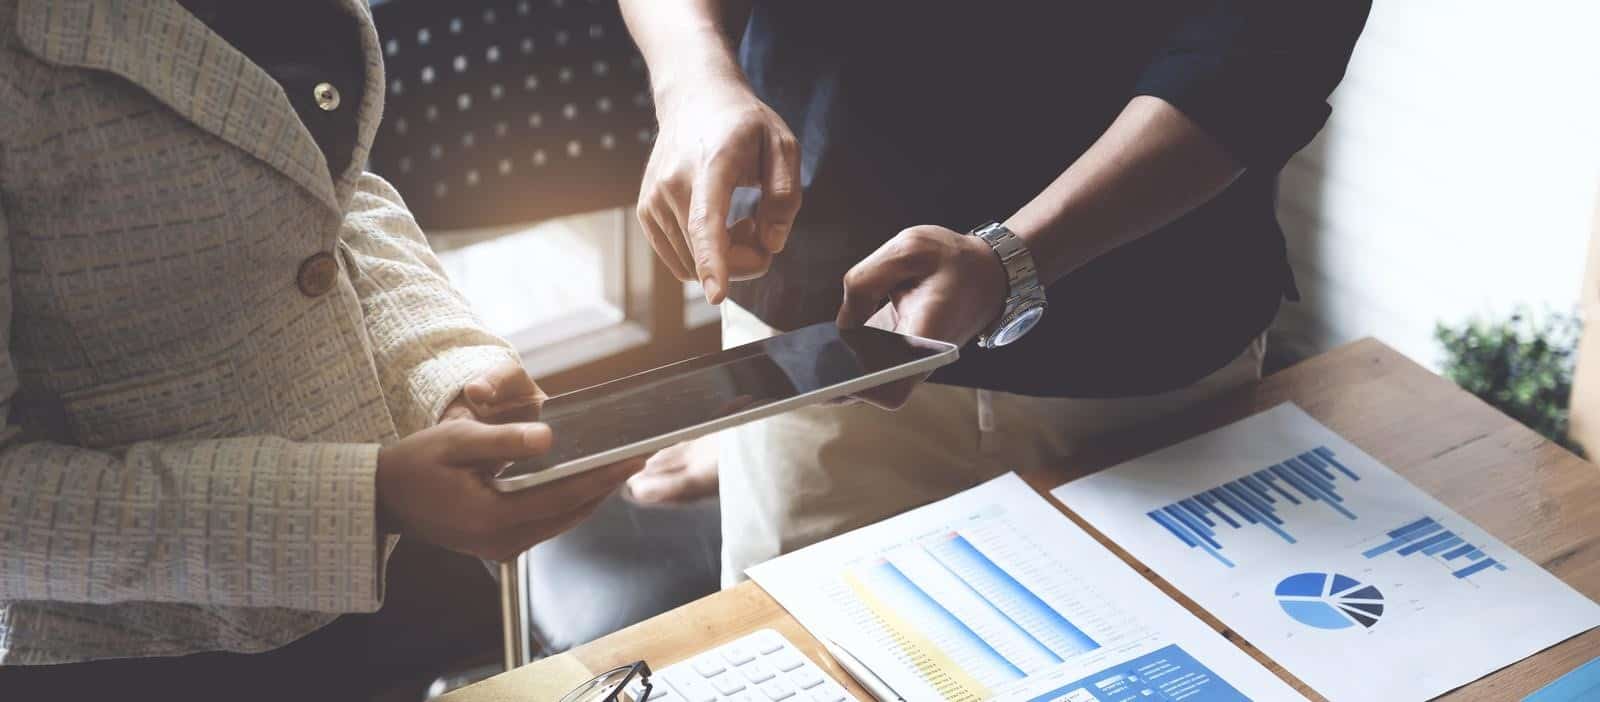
869	284
470	443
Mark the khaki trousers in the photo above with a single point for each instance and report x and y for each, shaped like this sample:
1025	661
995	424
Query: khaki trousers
803	476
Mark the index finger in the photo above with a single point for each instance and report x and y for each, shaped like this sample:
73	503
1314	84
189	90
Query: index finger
505	385
869	283
708	227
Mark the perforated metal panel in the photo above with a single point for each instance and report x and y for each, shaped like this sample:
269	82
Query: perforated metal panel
512	110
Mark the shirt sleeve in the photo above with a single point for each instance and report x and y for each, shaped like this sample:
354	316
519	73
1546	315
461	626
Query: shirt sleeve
1256	74
427	342
245	522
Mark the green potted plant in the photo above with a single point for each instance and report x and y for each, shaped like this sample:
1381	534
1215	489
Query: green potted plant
1522	365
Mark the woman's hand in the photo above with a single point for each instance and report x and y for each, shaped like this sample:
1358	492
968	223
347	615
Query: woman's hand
433	485
504	393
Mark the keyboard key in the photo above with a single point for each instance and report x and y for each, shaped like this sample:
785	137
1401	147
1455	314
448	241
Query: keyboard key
708	666
777	689
768	642
787	660
737	653
806	678
658	691
757	672
727	683
828	693
692	687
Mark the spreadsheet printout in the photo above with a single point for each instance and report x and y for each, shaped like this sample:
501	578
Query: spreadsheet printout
993	594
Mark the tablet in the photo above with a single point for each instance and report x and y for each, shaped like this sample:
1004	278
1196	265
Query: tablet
643	413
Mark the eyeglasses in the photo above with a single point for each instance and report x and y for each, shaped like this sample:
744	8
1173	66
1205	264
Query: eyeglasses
611	686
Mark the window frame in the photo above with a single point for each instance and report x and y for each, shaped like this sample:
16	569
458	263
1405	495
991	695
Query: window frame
660	324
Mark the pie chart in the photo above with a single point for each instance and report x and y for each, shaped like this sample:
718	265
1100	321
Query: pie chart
1329	600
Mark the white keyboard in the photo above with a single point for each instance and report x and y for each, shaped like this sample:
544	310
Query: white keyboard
761	667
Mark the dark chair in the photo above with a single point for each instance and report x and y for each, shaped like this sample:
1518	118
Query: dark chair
507	112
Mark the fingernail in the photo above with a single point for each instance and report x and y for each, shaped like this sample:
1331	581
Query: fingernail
712	289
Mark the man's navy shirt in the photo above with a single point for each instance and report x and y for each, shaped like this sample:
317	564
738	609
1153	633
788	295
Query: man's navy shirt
916	112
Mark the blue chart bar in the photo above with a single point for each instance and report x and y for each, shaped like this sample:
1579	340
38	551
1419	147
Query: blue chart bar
1442	546
1480	565
1036	619
1429	538
937	621
1261	499
1422	544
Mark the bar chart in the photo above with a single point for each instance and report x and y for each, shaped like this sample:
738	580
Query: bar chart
1263	499
1031	616
1429	538
1364	585
965	622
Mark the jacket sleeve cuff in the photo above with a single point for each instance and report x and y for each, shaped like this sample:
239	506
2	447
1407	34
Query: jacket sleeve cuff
369	548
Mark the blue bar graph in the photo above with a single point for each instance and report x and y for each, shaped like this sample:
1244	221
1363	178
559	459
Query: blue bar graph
938	622
1041	623
1429	538
1264	498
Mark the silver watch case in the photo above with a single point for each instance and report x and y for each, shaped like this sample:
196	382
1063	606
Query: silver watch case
1025	301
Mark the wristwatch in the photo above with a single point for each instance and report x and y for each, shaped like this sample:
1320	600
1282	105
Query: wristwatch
1025	303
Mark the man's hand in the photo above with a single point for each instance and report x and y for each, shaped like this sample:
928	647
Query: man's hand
679	474
716	136
506	393
431	485
938	283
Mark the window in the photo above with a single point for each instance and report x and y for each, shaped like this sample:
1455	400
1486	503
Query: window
544	283
581	297
697	311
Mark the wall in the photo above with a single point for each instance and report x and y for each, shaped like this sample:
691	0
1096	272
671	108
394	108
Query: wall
1457	176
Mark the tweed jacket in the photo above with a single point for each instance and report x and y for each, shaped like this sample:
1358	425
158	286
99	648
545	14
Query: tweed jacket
191	437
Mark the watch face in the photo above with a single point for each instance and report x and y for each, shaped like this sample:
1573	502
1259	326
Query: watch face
1017	327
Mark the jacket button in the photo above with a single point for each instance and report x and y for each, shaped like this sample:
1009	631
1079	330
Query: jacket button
327	96
317	274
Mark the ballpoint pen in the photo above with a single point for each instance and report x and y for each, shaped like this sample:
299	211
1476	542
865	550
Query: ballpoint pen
874	685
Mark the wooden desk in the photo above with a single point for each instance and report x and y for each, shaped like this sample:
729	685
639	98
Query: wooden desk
1528	492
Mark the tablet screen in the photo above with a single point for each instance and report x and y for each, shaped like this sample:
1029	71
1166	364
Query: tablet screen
684	395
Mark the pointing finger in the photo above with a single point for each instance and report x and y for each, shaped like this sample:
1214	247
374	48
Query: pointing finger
708	227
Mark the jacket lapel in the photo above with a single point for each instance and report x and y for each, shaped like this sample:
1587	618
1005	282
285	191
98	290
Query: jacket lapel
370	112
172	55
